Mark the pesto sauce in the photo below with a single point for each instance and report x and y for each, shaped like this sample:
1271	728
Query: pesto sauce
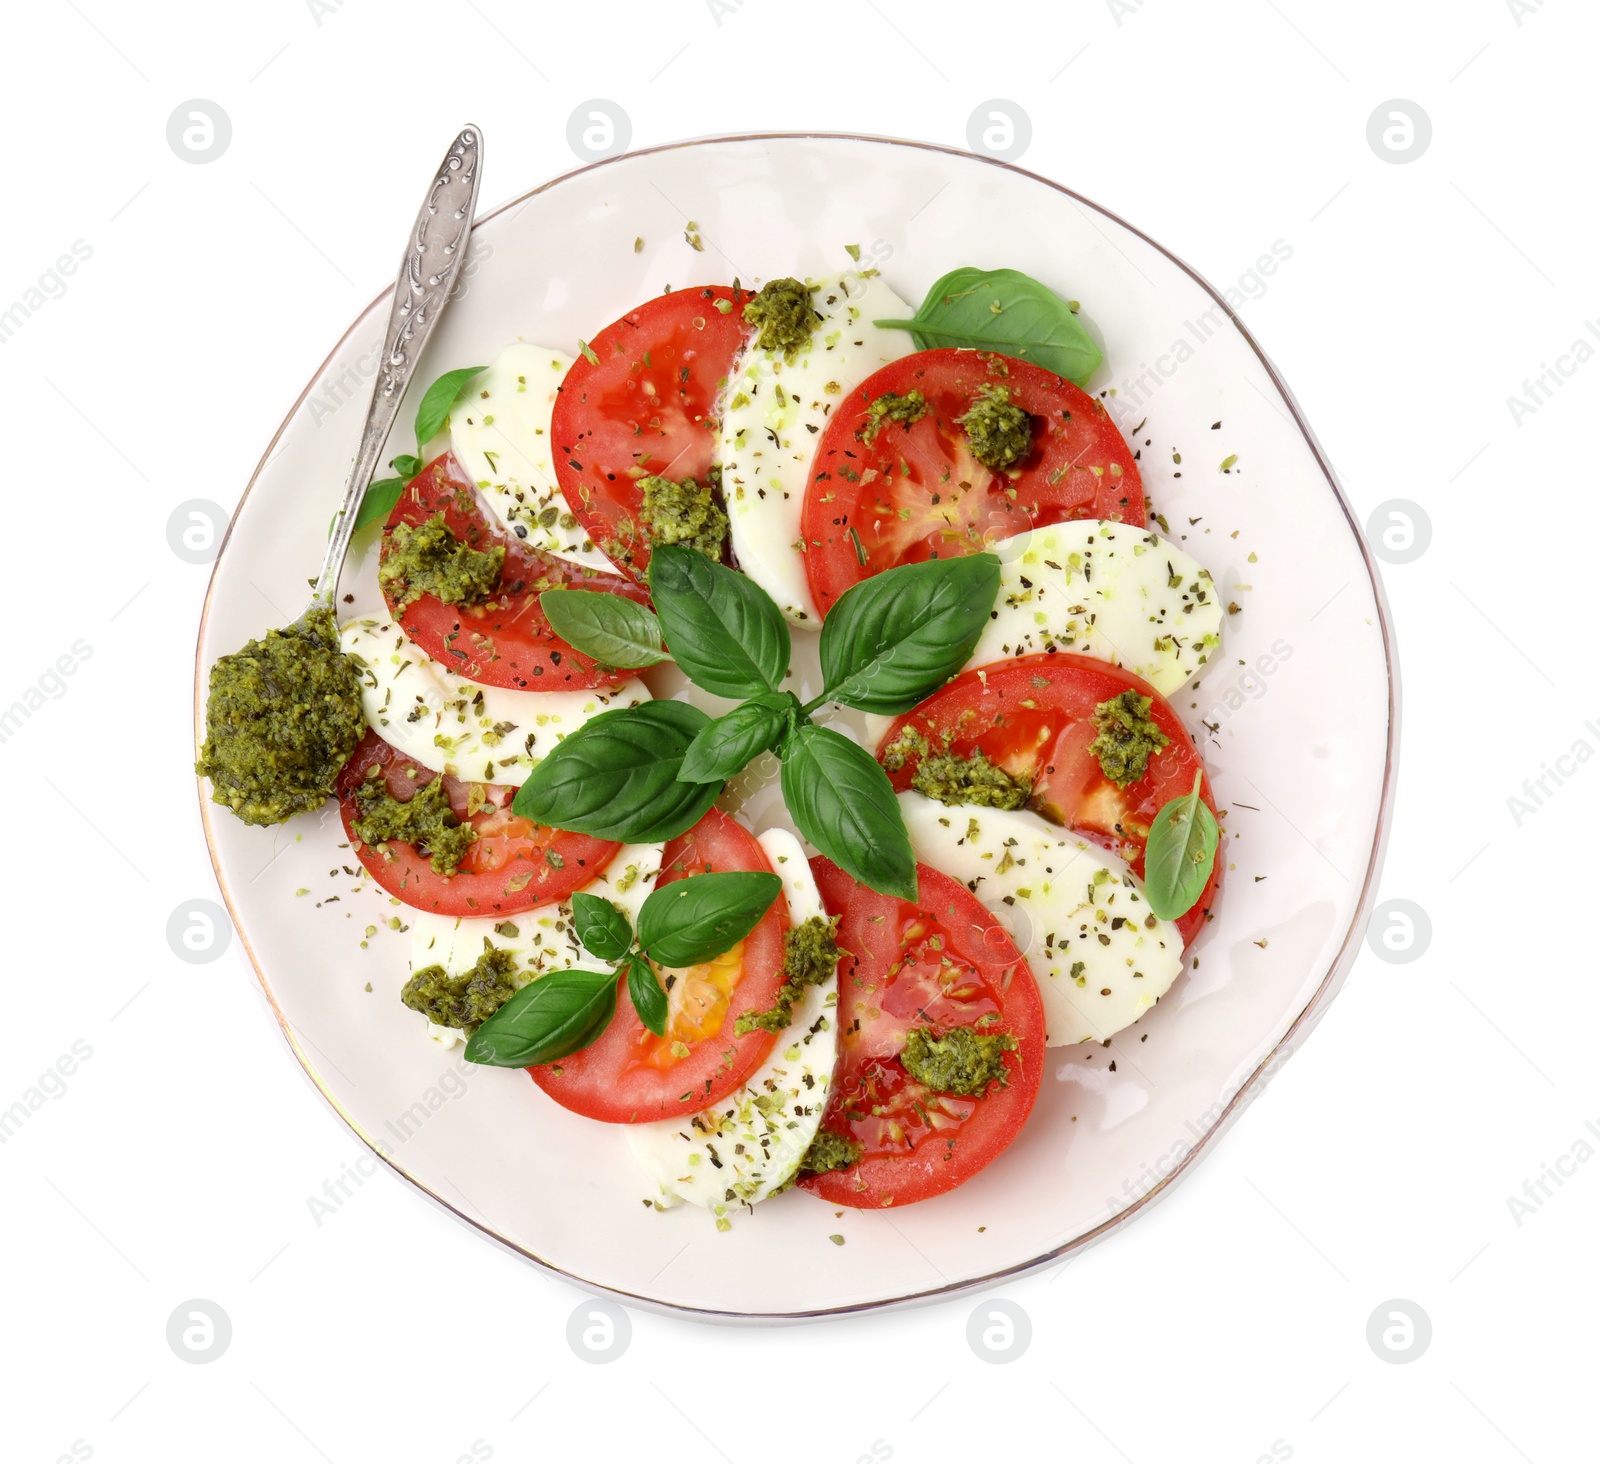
783	316
998	431
425	821
1128	738
427	559
463	1000
830	1151
953	779
963	1061
908	744
810	957
890	407
282	716
686	513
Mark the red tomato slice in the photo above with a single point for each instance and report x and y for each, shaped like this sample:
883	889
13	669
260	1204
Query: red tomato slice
508	641
1034	718
917	493
941	962
644	406
513	865
632	1076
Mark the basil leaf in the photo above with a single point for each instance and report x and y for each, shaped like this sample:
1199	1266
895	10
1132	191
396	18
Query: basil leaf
645	992
613	630
897	637
376	503
841	800
603	929
723	748
406	466
438	399
700	917
549	1018
1179	854
721	628
617	777
1007	311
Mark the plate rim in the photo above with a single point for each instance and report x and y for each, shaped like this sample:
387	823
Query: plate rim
1309	1015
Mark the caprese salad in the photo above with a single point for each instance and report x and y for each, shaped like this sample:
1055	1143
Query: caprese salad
857	1004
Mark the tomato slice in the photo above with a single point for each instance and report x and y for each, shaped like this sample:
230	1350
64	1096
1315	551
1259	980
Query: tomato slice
644	405
939	962
1034	718
508	641
916	492
513	865
632	1076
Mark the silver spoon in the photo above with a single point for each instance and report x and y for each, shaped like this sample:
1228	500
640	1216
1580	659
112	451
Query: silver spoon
283	713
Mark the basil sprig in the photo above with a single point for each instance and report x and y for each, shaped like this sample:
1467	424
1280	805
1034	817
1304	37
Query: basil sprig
1179	854
612	630
680	924
721	627
378	502
1007	311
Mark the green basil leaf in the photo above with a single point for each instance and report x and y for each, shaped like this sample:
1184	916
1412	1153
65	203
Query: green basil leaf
376	503
842	801
548	1019
700	917
649	1000
1179	854
1007	311
617	777
898	637
720	626
614	630
406	466
723	748
603	929
438	399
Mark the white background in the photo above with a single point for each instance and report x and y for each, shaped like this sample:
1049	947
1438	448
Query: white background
1229	1323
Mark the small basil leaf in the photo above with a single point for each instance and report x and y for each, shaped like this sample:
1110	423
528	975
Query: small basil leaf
649	1000
897	637
376	503
438	399
613	630
548	1019
1179	854
723	748
603	929
698	918
406	465
1007	311
842	801
617	777
721	628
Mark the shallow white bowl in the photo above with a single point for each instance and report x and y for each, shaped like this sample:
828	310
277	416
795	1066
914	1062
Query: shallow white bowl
1297	716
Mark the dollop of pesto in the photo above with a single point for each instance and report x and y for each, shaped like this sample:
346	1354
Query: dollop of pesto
465	999
425	821
427	559
282	716
891	407
830	1151
963	1061
909	743
810	957
954	779
1128	738
685	512
783	316
998	431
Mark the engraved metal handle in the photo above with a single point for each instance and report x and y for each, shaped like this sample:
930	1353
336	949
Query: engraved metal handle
434	254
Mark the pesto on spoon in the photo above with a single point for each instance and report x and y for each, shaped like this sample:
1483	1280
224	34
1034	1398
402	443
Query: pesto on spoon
284	713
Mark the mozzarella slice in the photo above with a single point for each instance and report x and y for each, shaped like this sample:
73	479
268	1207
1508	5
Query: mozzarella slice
500	435
775	411
542	939
486	734
1099	588
751	1144
1100	957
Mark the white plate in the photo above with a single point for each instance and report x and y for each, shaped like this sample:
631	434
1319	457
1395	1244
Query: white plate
1308	745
